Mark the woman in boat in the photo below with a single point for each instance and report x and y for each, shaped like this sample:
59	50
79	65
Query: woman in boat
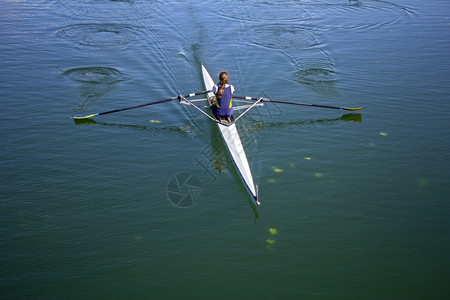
222	108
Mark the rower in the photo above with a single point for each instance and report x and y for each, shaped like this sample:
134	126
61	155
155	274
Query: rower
222	107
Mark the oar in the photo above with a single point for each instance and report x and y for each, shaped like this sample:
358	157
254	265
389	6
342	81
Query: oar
298	103
141	105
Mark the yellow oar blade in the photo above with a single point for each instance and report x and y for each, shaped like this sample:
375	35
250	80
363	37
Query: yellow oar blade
85	117
352	108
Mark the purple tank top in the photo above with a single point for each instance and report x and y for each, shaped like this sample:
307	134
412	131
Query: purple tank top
223	106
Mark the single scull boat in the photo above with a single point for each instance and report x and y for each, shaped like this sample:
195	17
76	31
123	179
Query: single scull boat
233	143
226	127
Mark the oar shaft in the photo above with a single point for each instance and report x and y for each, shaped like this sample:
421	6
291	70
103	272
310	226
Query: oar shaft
143	104
136	106
297	103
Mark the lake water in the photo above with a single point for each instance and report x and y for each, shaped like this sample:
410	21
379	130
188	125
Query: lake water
354	205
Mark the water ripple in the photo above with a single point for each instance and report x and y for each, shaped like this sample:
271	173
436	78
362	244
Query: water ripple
95	75
338	15
95	82
278	36
111	35
261	11
315	69
354	14
116	9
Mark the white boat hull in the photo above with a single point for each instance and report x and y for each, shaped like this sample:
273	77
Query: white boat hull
233	143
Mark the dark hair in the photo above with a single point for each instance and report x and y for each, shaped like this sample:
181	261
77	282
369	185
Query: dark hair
223	80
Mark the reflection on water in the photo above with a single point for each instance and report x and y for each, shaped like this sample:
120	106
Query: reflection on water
184	130
356	118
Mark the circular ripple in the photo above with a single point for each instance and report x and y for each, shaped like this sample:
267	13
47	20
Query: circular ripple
312	75
314	66
283	37
315	69
97	75
109	35
354	14
312	13
261	11
117	9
